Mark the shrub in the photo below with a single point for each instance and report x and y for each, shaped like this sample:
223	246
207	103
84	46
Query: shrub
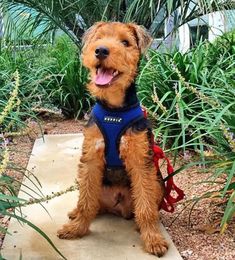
33	85
191	100
52	76
186	94
10	203
71	94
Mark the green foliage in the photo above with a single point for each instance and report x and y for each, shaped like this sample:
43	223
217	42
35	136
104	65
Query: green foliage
13	107
191	98
185	92
71	95
43	78
52	76
75	16
9	201
30	92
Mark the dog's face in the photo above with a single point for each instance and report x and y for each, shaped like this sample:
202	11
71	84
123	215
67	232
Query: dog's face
111	52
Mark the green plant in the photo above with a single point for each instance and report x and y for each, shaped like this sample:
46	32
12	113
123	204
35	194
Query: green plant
33	87
224	173
181	92
71	94
74	17
190	98
222	179
9	201
51	77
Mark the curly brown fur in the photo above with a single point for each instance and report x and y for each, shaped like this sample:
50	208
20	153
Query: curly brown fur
141	192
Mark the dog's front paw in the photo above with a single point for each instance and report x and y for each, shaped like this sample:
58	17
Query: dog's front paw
66	232
71	231
155	244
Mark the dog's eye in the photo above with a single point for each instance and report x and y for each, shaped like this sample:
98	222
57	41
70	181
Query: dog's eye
125	43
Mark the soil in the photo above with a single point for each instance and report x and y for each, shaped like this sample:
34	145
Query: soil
197	237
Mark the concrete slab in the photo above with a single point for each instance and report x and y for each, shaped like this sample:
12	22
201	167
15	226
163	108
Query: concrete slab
54	162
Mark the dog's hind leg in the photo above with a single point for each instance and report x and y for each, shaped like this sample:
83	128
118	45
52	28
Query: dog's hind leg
90	177
146	189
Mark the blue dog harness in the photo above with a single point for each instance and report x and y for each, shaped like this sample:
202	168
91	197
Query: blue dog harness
113	123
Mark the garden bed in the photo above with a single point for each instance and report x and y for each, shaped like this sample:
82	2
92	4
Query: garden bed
198	238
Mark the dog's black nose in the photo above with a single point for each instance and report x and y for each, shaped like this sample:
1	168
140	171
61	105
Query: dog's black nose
101	52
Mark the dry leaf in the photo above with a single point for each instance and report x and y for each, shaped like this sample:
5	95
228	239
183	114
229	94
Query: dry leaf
211	228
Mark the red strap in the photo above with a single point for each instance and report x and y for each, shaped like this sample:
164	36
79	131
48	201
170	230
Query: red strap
168	200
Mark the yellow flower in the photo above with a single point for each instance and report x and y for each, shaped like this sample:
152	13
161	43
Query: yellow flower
157	101
229	136
13	100
199	94
208	153
5	160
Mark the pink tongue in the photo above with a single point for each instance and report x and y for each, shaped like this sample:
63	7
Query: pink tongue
103	77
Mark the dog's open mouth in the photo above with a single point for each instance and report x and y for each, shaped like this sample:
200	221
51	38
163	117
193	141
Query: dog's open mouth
105	76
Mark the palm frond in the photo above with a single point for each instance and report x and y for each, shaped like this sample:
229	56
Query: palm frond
75	16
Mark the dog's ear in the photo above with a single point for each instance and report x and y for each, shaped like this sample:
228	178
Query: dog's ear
143	38
89	34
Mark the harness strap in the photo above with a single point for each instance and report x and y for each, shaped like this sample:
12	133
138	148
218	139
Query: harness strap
113	124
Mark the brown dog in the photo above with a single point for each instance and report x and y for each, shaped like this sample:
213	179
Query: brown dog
111	53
